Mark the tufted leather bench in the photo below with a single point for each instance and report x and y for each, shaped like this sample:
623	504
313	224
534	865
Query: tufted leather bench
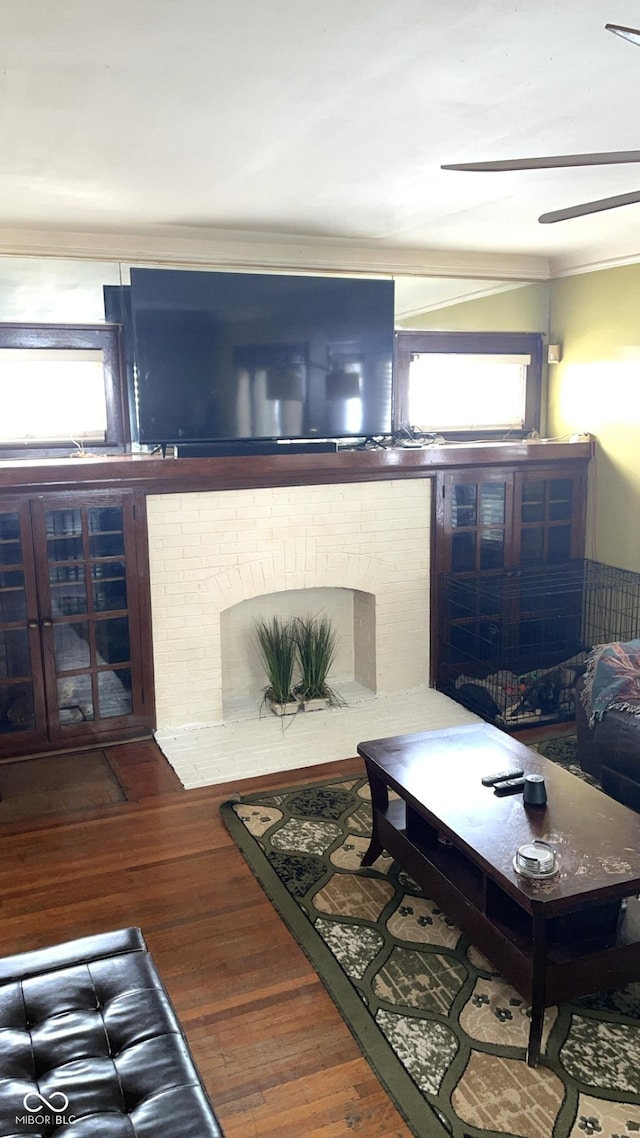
91	1046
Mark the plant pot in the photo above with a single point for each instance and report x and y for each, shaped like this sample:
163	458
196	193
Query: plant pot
289	708
320	703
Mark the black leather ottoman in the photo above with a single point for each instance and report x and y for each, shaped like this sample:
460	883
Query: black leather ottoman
91	1046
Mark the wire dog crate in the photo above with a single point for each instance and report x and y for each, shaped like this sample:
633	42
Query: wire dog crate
514	641
611	608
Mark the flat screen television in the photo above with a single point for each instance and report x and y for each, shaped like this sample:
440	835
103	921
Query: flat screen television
249	357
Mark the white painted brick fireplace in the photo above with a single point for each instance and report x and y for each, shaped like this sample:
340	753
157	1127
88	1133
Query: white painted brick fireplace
211	551
217	558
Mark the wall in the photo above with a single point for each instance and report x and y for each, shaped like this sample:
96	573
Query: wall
596	388
516	309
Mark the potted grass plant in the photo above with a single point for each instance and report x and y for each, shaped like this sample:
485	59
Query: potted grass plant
276	644
316	645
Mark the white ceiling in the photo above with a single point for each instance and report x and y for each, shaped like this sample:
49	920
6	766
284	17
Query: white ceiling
319	120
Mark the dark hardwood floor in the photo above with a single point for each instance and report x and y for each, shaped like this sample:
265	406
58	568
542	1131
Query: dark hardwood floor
142	770
273	1051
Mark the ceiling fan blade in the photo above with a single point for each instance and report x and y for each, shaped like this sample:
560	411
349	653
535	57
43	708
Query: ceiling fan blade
552	162
590	207
631	34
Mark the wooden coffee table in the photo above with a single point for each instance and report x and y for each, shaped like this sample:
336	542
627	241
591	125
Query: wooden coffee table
553	939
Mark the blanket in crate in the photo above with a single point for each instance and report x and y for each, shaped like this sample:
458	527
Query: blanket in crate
507	698
612	679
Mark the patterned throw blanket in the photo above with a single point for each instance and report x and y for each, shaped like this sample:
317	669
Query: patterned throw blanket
612	680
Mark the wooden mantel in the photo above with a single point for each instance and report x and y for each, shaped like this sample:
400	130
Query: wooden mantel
157	475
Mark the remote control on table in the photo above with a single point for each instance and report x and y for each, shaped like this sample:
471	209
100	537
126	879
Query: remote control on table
492	779
509	786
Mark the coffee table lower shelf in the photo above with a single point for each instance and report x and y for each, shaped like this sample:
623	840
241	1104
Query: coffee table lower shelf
536	950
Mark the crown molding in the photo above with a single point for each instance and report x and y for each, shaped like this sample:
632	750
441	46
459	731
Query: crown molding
248	250
593	261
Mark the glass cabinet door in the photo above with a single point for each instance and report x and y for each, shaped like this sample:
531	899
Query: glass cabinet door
498	520
546	518
477	519
22	712
86	582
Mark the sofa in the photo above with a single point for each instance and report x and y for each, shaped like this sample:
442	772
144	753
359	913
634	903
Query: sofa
607	703
90	1046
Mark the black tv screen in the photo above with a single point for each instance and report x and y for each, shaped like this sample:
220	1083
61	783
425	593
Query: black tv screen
249	356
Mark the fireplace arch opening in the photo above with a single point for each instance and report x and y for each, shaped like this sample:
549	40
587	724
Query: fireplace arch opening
353	614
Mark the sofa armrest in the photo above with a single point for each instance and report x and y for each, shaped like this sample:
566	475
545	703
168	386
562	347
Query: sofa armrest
588	756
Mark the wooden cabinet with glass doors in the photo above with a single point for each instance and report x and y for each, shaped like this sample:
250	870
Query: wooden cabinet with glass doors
506	540
75	653
497	518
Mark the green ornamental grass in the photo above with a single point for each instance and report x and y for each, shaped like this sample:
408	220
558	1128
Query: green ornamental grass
277	649
316	644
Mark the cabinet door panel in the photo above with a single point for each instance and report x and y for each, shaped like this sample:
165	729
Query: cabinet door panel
492	548
559	544
548	522
463	552
109	586
523	521
22	707
71	645
114	693
532	546
87	587
477	513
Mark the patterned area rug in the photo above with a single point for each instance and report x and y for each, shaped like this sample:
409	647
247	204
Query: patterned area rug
564	751
444	1032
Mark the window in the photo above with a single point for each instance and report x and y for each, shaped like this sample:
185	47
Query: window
59	386
468	384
